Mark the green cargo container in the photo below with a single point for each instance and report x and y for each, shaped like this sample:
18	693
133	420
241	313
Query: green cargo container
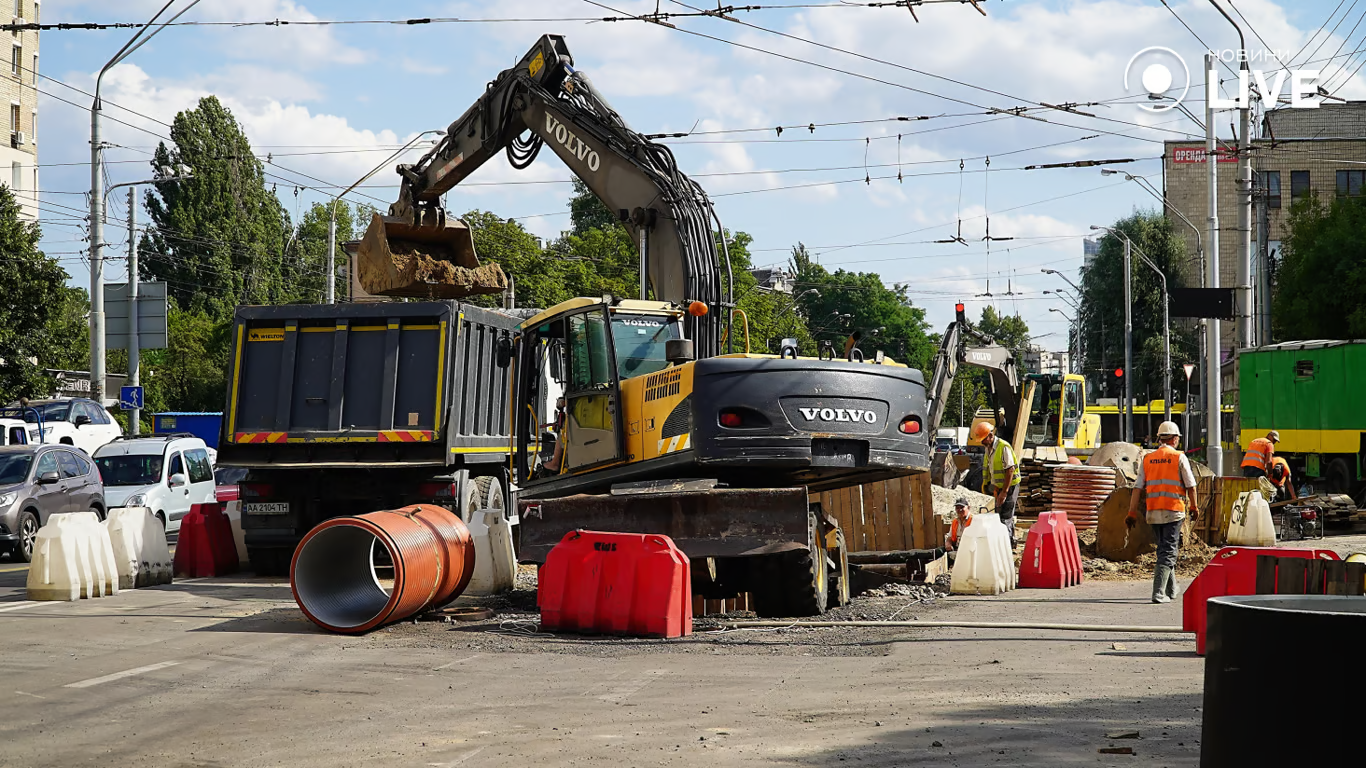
1311	392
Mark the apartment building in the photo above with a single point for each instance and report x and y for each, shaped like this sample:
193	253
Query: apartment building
19	86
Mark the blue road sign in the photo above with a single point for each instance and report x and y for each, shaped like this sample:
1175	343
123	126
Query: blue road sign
130	397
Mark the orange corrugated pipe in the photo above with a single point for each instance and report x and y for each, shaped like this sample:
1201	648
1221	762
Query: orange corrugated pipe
338	585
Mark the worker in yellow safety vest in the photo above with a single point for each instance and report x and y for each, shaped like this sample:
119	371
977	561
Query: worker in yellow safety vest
1257	460
1166	486
1279	475
1002	472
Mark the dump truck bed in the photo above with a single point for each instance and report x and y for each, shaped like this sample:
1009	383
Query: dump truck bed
366	385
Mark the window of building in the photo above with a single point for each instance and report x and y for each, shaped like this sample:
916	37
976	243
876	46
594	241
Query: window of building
1271	186
14	117
35	69
16	177
1299	184
17	60
1349	183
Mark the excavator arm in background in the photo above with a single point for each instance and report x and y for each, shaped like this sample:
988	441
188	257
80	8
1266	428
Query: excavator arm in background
544	100
985	353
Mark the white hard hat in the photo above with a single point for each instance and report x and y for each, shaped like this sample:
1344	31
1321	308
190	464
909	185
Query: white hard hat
1168	429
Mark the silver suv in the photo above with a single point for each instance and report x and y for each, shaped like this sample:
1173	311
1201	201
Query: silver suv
37	481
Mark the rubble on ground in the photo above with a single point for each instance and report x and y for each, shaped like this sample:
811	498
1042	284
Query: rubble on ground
944	498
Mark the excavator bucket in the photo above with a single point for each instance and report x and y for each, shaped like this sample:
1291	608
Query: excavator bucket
396	258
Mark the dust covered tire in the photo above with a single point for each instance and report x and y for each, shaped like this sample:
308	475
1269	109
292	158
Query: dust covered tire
795	583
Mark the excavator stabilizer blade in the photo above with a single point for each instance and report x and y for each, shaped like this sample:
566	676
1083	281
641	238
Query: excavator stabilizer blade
398	259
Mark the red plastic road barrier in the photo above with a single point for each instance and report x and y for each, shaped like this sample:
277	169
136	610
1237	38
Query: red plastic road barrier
1232	571
1052	556
205	546
616	584
353	574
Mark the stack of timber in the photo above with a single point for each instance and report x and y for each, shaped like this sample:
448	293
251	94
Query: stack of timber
1080	490
1036	478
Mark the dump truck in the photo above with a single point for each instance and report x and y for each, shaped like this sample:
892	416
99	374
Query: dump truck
647	414
1310	392
348	408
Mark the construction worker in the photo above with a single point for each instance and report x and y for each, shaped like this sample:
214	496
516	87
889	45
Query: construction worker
1257	460
1279	475
961	520
1166	485
1002	472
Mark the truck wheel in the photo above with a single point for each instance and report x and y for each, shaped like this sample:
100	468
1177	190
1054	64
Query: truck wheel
973	480
794	583
490	493
1338	476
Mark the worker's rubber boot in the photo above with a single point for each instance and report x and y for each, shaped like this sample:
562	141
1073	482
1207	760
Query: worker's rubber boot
1160	576
1173	589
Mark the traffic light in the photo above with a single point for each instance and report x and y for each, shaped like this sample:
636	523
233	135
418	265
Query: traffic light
1119	373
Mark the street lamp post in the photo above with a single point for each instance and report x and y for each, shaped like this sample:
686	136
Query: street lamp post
134	344
1166	321
329	292
1074	340
97	351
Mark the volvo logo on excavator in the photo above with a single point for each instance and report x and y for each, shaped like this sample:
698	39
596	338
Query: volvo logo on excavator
839	415
571	142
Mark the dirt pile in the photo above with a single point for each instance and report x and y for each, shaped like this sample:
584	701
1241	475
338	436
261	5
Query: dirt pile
1191	559
944	498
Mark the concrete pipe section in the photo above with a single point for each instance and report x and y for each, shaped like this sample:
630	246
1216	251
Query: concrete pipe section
353	574
1283	678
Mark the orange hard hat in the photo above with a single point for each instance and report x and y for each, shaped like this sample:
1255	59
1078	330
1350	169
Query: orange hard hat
981	429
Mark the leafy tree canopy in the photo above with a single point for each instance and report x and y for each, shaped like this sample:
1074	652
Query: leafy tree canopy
1322	272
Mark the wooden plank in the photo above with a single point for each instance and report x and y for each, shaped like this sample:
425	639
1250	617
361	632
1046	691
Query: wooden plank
934	527
1337	576
884	502
1313	580
905	509
853	501
1266	574
1356	578
895	491
872	517
1290	576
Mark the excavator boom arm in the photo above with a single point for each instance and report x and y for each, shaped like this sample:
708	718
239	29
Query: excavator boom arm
998	361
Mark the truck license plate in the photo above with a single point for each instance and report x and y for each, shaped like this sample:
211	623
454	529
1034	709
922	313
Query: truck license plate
266	508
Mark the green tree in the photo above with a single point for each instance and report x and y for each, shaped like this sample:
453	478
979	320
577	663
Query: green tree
42	321
1102	305
303	270
218	238
190	374
1322	272
587	212
772	316
859	302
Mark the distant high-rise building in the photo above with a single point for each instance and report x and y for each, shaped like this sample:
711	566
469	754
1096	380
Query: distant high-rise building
20	155
1089	249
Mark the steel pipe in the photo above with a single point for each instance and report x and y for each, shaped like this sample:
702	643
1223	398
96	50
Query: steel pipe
336	572
1160	629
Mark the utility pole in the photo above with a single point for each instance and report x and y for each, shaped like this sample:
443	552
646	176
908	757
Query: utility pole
1214	449
1264	262
134	352
1128	346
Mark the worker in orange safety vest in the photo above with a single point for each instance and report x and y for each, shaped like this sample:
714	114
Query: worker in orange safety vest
1257	460
1166	486
961	520
1279	475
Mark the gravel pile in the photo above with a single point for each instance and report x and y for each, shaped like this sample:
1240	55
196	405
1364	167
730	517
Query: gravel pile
944	498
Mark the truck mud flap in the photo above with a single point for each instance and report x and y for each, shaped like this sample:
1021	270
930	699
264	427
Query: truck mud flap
724	522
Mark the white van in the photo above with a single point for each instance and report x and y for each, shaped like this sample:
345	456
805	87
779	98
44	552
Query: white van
165	473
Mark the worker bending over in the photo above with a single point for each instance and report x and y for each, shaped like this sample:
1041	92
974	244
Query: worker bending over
1279	475
1165	484
961	520
1002	472
1259	454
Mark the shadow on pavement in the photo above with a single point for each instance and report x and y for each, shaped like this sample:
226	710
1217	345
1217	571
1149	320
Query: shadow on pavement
278	621
1064	733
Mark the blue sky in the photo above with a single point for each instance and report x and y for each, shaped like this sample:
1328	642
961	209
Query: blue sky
331	101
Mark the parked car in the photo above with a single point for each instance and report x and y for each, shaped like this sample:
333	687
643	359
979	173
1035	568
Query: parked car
165	473
229	481
16	432
68	420
37	481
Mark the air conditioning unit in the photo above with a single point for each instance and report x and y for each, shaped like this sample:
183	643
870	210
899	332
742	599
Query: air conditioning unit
18	138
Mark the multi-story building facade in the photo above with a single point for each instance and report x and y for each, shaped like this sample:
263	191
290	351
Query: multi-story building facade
1300	152
19	86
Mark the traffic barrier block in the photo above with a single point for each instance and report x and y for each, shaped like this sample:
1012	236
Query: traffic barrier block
141	556
985	564
617	584
1049	561
205	546
1232	571
233	510
495	565
72	559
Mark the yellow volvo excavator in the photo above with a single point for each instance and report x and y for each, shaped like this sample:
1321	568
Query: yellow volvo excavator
628	413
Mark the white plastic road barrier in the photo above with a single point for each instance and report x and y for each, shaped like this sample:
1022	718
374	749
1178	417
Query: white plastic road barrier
1250	524
495	564
985	564
140	552
73	558
233	510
